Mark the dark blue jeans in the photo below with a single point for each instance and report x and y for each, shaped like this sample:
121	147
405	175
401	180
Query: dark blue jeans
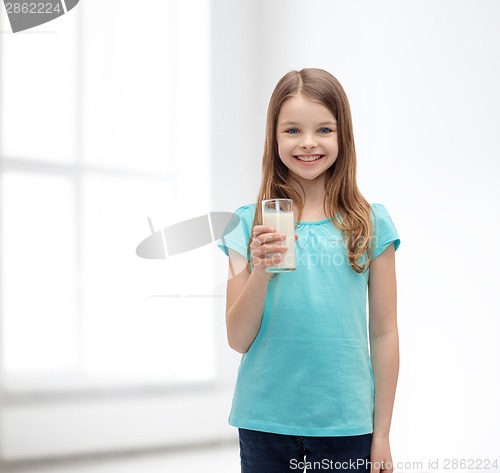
264	452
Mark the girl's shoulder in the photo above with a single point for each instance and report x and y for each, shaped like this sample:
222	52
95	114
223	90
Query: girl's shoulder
379	211
247	207
246	212
383	224
378	207
246	215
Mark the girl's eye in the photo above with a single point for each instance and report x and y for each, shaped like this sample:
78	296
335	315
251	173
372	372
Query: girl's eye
327	130
292	131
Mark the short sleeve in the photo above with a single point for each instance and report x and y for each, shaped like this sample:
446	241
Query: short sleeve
385	231
238	238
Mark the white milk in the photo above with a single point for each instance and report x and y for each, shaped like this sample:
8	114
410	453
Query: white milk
282	223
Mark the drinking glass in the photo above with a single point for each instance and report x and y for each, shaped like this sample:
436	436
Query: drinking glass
278	213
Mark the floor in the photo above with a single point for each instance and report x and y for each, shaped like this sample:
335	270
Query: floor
219	458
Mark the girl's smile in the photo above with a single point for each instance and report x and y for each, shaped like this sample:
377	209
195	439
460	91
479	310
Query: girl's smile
309	159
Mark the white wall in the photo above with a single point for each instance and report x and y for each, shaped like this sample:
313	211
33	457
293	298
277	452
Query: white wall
422	82
237	140
421	78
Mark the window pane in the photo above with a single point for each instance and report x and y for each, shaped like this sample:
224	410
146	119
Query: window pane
38	273
127	333
132	95
192	86
127	84
39	93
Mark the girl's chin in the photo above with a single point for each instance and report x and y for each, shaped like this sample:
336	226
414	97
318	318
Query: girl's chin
305	176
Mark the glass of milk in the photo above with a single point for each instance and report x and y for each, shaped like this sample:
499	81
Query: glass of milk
278	213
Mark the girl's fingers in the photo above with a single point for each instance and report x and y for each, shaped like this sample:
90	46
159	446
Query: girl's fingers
259	229
266	250
270	237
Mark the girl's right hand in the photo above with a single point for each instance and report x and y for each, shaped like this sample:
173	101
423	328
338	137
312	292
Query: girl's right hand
264	246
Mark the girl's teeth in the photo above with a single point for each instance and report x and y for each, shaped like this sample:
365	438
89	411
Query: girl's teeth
308	160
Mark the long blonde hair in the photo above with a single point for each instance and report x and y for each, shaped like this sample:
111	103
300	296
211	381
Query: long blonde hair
342	195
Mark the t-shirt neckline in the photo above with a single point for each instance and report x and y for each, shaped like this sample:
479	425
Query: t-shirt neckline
317	222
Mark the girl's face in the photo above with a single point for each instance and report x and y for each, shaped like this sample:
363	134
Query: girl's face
306	129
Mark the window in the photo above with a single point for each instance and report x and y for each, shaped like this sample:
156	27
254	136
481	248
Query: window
104	125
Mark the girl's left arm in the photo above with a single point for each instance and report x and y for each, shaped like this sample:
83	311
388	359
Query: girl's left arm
384	347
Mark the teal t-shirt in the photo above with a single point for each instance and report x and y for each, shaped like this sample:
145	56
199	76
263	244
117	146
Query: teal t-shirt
308	371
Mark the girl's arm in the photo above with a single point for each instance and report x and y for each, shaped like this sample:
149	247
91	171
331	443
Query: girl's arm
384	339
245	297
246	292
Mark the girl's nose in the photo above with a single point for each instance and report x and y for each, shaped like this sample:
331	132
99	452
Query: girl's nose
308	142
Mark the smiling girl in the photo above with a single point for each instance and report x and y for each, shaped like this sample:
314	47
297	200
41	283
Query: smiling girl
315	385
